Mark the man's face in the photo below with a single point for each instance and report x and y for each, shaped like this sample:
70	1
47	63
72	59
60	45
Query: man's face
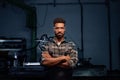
59	30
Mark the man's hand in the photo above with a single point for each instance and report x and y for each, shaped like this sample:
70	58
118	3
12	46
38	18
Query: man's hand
67	58
64	63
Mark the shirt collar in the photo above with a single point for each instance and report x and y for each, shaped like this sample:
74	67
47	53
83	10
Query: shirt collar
54	40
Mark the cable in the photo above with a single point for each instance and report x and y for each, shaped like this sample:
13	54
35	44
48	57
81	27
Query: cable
43	39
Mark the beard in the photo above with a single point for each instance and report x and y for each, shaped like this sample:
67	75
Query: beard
59	35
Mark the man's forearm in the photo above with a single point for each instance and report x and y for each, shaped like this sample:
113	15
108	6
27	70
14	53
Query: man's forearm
52	61
48	60
64	65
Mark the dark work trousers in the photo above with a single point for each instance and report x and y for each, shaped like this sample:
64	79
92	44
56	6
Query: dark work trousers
58	74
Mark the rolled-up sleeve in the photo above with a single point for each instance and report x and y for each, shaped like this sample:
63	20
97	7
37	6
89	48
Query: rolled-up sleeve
44	49
74	55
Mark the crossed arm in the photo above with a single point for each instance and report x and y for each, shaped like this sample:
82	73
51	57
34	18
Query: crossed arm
61	61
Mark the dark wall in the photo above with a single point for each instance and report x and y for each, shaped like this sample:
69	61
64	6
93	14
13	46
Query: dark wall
95	26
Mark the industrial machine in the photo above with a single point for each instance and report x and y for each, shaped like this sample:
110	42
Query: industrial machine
11	52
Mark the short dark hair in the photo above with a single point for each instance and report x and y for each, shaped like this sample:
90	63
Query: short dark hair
58	20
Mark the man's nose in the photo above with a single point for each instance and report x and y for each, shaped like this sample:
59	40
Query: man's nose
60	29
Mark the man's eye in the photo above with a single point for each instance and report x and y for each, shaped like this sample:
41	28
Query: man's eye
56	28
59	28
62	28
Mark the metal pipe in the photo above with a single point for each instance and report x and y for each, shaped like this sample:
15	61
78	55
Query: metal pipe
54	3
81	9
109	34
83	3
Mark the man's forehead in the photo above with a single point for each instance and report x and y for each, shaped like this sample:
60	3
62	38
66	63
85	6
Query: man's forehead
59	25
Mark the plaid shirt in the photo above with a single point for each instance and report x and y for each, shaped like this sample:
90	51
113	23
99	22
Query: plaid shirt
65	48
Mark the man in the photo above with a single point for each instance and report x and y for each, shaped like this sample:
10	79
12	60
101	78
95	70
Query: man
59	55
